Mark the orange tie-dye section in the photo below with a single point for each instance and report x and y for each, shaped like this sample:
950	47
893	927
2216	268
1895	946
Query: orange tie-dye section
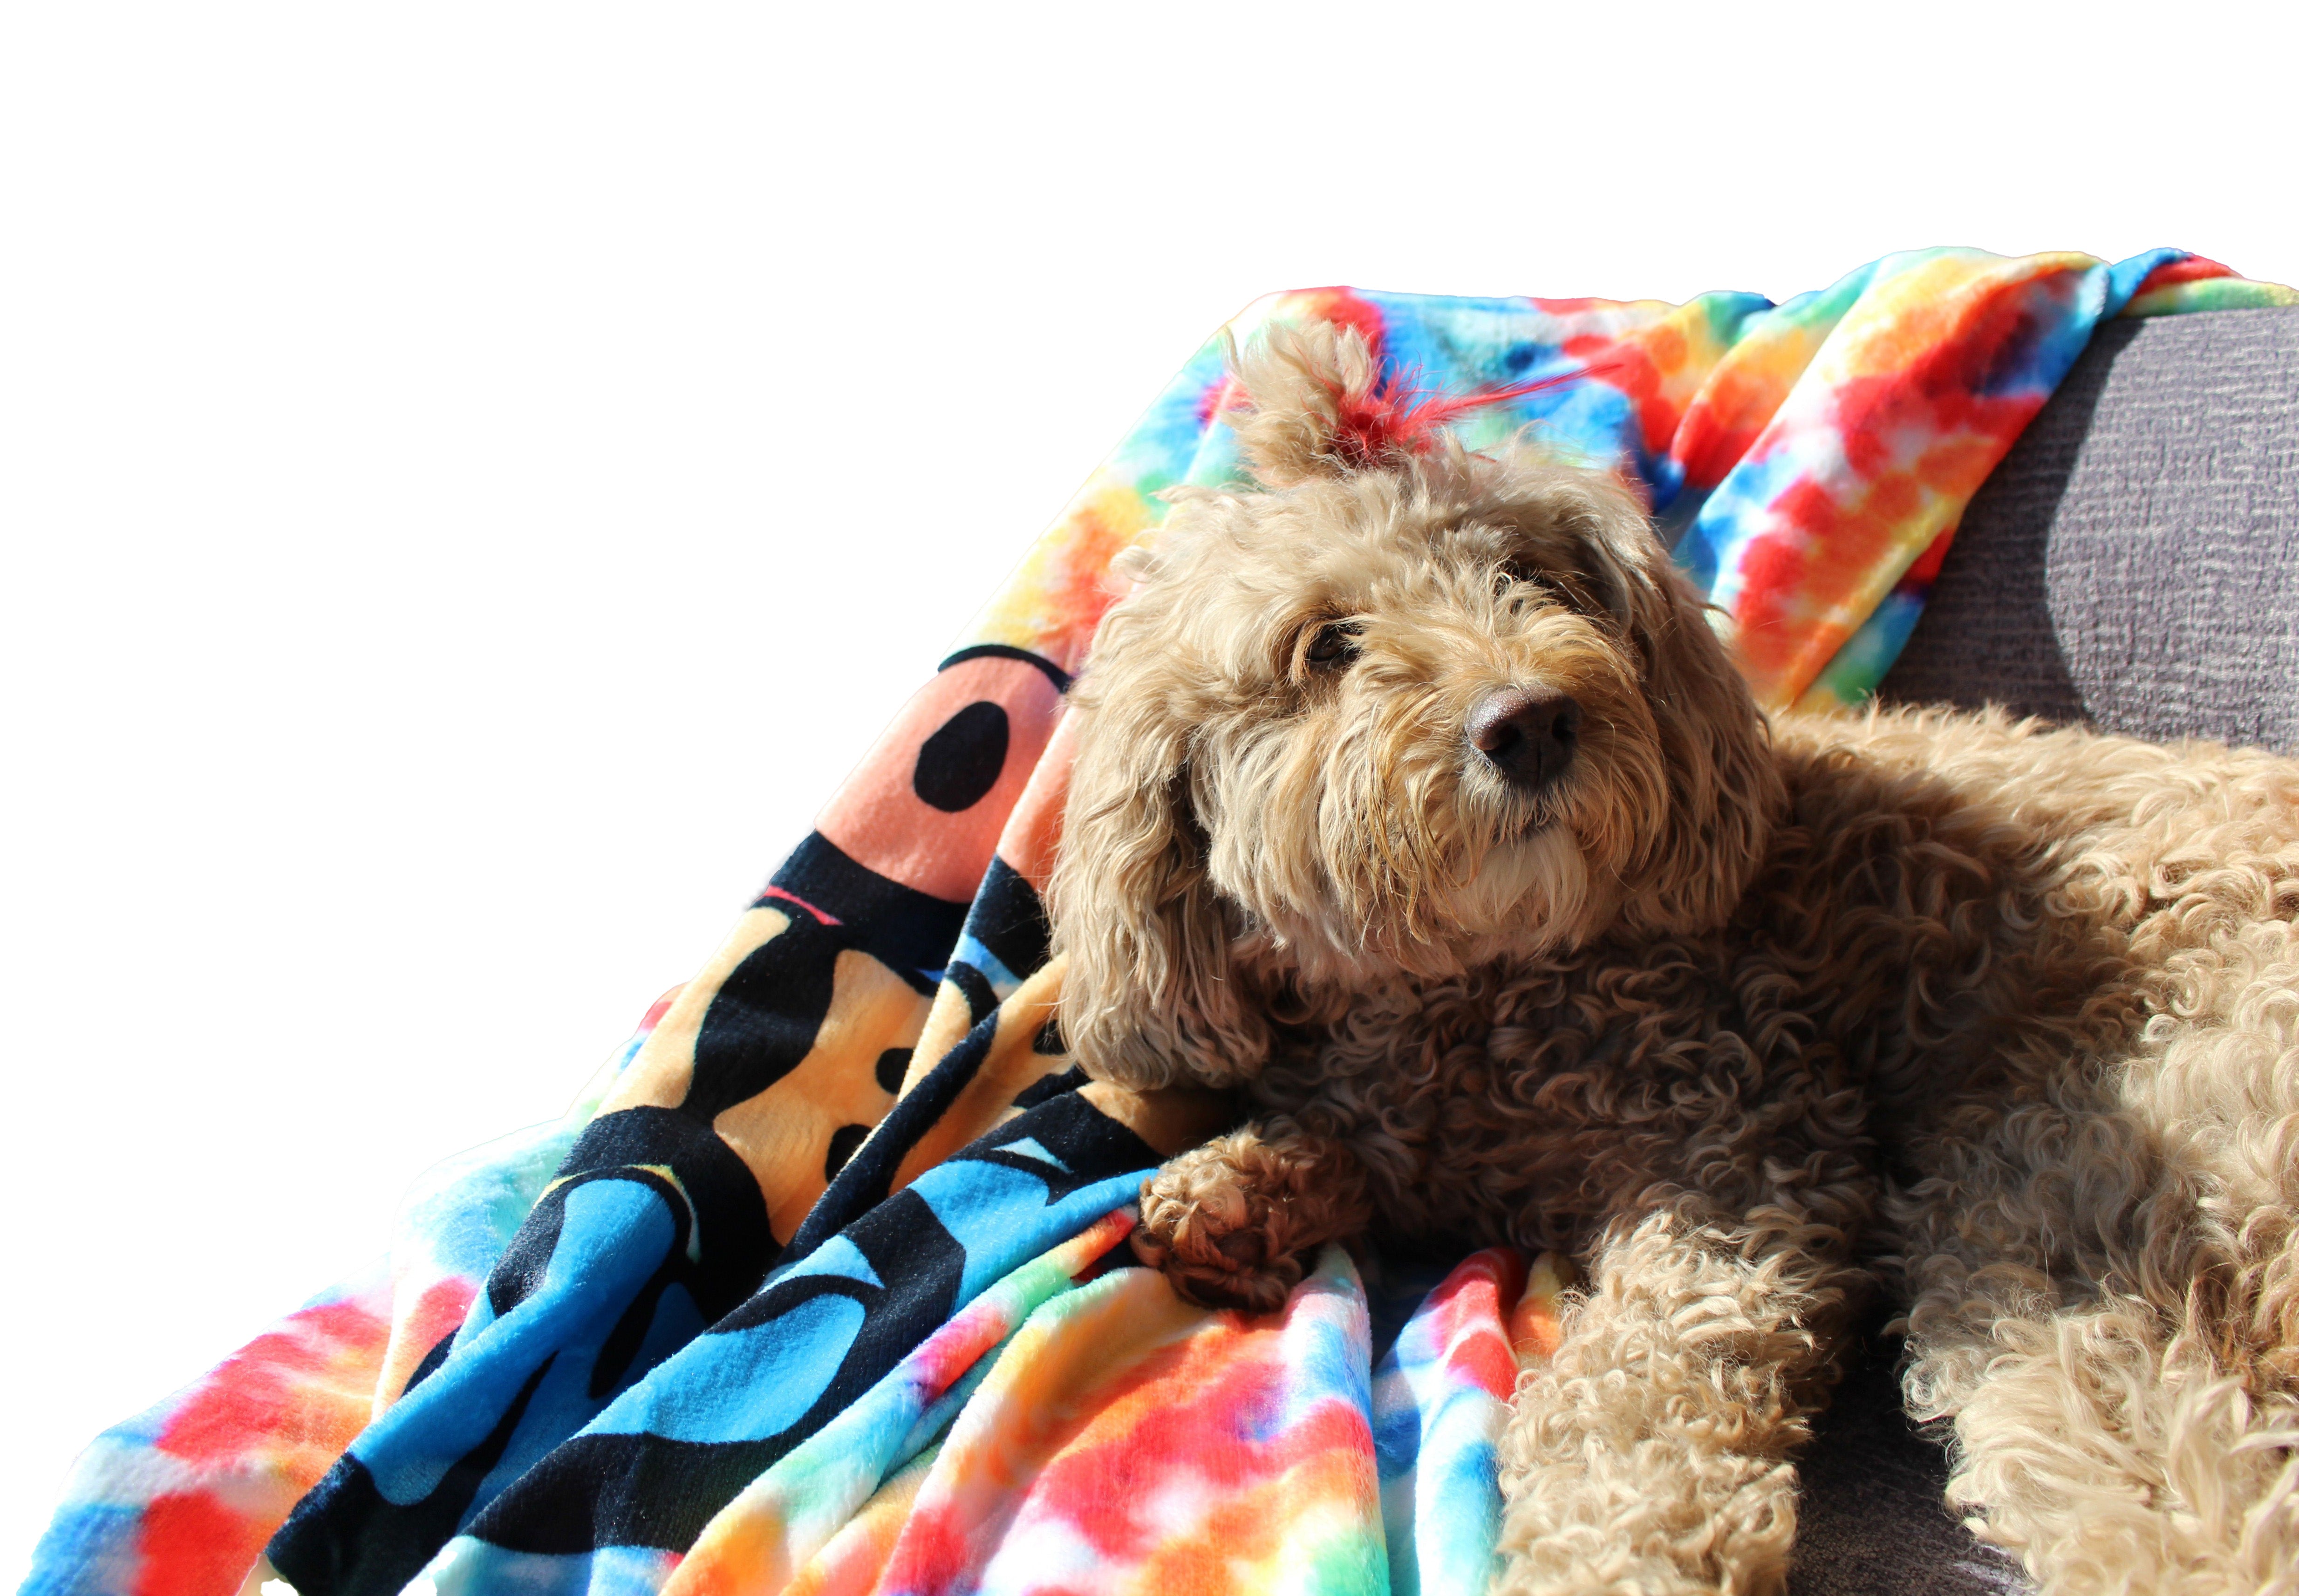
857	1555
1661	365
1884	442
424	1316
1055	598
1127	1443
1536	1325
799	1512
1744	391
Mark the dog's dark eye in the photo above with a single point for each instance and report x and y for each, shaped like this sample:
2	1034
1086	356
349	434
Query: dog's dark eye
1508	573
1336	642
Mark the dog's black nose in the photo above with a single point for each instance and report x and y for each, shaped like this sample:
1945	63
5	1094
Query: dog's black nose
1527	735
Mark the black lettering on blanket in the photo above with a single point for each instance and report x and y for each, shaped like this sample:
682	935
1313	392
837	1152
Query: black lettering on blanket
729	1214
596	1491
870	1174
907	931
763	1019
981	997
347	1539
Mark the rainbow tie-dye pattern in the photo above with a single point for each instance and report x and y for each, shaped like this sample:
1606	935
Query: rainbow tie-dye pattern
1120	1440
820	1285
1808	460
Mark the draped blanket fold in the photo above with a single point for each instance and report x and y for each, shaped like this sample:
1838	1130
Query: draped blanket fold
822	1285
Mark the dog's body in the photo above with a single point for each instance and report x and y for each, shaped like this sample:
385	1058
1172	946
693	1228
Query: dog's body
1414	796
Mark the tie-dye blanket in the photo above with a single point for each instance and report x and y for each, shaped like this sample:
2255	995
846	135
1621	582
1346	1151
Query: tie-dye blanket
821	1285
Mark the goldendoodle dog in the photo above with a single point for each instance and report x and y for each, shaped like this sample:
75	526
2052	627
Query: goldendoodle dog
1417	799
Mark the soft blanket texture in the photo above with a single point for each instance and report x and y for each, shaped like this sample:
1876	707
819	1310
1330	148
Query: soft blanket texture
821	1285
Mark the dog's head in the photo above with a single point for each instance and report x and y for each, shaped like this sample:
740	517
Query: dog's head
1404	711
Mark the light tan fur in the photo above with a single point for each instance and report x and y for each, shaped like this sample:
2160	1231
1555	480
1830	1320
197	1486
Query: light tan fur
1754	1018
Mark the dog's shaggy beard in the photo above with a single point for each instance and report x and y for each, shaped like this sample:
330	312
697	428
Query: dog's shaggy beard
1364	838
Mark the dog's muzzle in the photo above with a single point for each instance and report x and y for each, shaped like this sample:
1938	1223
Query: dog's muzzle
1527	735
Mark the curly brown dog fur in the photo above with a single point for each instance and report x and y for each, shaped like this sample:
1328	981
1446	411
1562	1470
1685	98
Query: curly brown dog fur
1752	1019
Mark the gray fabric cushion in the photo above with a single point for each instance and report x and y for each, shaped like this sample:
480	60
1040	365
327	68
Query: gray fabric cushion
1871	1518
2133	562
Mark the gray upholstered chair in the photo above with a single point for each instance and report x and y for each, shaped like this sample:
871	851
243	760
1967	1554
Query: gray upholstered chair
2133	562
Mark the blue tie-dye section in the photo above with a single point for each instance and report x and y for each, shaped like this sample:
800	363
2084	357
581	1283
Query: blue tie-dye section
1452	345
1592	422
2124	277
1215	461
462	1213
1327	1344
1459	345
1157	453
1436	1439
1740	506
1456	1493
89	1548
1870	651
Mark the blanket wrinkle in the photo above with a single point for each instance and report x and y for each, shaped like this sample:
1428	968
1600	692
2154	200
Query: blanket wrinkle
819	1284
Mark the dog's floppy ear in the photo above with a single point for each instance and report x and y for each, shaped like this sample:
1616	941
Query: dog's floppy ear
1725	786
1300	401
1150	998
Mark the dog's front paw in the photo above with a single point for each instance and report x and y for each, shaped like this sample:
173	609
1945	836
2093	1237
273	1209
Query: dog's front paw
1231	1224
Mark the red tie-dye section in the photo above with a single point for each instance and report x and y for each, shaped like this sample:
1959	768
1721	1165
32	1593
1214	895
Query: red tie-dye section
2195	284
1466	1320
426	1314
1663	366
1127	1443
2192	269
1909	404
181	1501
229	1455
1803	586
1743	393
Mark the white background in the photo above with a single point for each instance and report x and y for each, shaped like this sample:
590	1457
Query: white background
473	477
